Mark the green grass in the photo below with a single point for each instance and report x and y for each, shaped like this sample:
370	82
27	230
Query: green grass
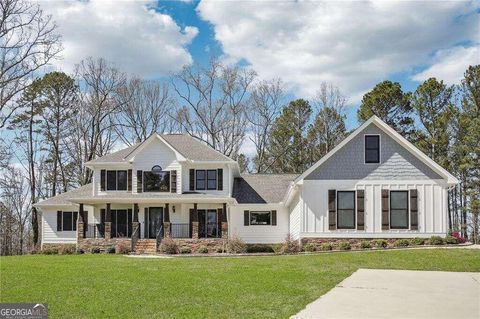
100	286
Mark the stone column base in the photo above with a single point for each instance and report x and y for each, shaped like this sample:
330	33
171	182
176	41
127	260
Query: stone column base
224	230
80	230
195	230
166	230
108	230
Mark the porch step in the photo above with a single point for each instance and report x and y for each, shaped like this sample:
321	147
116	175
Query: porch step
146	246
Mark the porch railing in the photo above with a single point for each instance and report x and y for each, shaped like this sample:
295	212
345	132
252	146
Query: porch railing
94	231
180	230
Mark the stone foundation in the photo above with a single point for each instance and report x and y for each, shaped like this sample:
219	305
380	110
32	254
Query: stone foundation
354	242
103	244
59	247
212	244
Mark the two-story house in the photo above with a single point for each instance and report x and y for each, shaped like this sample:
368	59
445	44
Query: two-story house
375	184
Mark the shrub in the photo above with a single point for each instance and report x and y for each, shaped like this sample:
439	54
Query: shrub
401	243
80	251
451	240
66	250
95	250
185	250
110	250
168	246
417	241
277	248
50	251
459	237
364	244
326	247
257	248
381	243
122	248
203	250
310	247
221	249
436	240
344	245
290	246
236	246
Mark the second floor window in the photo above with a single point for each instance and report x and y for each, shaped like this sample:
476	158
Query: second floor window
206	179
372	149
116	180
156	181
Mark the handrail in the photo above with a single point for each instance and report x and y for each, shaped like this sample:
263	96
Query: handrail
159	236
135	237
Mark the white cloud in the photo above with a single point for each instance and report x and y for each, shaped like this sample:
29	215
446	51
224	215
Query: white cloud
351	44
450	64
128	33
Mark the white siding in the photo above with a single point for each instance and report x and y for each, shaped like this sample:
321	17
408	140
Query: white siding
226	177
432	208
50	235
294	218
256	233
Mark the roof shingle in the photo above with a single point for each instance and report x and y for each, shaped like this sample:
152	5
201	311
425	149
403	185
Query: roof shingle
261	188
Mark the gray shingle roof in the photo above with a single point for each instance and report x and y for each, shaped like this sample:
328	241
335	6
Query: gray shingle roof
190	147
261	188
64	198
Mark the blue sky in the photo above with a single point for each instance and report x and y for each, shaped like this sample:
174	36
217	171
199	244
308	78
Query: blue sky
353	45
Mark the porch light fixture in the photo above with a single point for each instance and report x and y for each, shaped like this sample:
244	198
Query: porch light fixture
173	209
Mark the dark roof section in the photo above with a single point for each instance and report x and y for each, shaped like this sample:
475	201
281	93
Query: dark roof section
64	198
261	188
190	147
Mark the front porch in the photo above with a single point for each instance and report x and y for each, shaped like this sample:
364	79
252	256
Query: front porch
116	222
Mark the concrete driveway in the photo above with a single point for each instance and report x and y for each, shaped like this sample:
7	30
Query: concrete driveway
372	293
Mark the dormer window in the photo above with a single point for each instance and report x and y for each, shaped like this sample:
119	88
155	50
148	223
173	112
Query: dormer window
372	149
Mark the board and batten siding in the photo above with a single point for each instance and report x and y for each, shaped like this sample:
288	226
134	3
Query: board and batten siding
432	208
256	234
294	218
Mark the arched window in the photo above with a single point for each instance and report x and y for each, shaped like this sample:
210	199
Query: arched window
156	180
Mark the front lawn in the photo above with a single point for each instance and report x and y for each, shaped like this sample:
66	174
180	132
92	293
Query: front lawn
101	286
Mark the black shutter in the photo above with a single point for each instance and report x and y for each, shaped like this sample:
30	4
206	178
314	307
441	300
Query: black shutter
129	180
246	218
75	218
192	179
332	209
59	220
220	179
360	209
129	222
145	229
274	218
139	181
219	220
385	210
413	209
173	181
103	176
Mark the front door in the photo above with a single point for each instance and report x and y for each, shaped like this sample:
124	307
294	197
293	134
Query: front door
155	221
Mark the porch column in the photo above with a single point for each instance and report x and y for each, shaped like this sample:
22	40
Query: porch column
166	223
135	223
81	227
195	222
108	222
224	222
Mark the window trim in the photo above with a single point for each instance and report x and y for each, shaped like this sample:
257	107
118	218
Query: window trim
156	191
354	208
259	211
390	209
74	221
365	149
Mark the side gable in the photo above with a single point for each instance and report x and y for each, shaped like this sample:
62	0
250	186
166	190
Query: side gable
399	159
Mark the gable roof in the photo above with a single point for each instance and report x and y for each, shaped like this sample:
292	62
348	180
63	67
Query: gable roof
261	188
188	147
450	179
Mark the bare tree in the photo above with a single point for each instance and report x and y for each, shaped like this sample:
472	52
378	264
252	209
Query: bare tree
92	132
16	200
28	41
330	96
265	104
145	108
215	101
